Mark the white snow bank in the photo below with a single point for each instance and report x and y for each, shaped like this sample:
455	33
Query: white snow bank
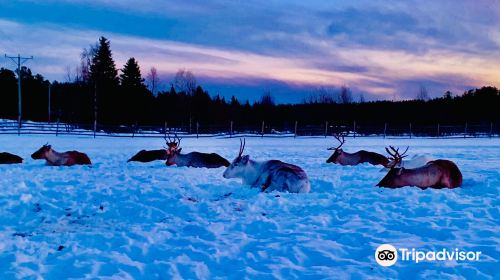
151	221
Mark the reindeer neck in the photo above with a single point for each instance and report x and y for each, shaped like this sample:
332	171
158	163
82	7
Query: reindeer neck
52	156
181	159
252	172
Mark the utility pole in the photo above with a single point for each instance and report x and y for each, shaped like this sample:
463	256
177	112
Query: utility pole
19	61
50	88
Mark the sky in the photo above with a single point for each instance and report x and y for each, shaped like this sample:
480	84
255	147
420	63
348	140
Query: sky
380	49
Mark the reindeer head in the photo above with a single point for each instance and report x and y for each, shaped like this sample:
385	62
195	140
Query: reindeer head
42	152
172	143
338	152
395	158
239	164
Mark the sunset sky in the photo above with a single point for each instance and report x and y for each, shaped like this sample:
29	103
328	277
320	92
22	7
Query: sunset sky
383	49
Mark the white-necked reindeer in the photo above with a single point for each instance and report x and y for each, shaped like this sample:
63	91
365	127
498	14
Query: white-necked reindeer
434	174
345	158
54	158
193	159
268	175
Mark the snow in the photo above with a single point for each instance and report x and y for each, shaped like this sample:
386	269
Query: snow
119	220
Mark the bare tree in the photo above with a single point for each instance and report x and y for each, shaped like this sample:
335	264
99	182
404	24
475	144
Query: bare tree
153	80
69	74
85	62
322	95
345	95
267	99
423	94
361	98
185	81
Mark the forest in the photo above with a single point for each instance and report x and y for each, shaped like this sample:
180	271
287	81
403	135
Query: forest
110	96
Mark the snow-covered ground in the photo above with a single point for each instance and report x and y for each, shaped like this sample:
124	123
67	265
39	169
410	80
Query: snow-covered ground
119	220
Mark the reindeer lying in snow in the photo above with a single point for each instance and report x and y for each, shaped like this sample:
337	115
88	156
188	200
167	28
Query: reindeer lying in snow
268	175
54	158
152	155
193	159
8	158
434	174
344	158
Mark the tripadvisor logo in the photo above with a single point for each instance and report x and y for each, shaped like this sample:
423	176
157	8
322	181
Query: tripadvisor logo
387	255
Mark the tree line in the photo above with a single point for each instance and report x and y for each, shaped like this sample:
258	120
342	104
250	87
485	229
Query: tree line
97	91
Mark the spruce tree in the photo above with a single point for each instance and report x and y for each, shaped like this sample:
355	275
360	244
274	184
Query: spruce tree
131	75
104	80
103	69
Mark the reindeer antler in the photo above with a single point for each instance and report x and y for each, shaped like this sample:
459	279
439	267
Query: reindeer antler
340	138
176	141
242	147
395	155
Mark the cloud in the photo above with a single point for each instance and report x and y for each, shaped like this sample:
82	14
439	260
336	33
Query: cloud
376	47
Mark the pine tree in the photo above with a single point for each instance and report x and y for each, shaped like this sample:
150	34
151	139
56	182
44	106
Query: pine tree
131	75
103	68
104	78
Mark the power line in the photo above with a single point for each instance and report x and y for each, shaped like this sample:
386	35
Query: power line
17	60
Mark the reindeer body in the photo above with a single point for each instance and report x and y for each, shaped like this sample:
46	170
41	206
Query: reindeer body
268	175
196	159
8	158
435	174
67	158
345	158
148	156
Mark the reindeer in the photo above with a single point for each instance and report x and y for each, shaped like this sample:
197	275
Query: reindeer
435	174
152	155
54	158
8	158
268	175
193	159
345	158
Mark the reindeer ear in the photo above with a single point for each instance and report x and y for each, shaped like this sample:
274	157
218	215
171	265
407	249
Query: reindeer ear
245	159
400	170
179	150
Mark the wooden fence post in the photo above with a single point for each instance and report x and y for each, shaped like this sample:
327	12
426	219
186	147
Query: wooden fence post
438	131
354	128
57	127
295	130
197	129
410	130
385	129
491	129
326	128
465	130
95	127
231	130
262	130
165	129
190	125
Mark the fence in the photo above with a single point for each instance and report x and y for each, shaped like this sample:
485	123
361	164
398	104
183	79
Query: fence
291	129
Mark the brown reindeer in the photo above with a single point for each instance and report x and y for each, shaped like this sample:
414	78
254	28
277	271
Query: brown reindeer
436	174
8	158
54	158
152	155
193	159
345	158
